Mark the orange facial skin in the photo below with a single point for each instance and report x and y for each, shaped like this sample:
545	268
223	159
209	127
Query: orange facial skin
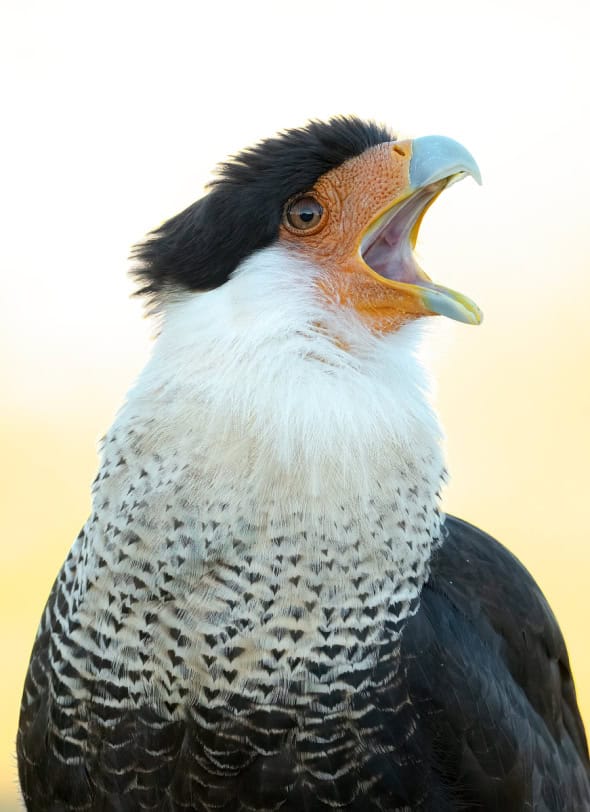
353	196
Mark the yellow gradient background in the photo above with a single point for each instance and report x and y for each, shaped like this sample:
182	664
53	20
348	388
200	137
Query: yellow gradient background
114	113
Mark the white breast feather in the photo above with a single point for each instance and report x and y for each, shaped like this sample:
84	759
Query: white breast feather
270	487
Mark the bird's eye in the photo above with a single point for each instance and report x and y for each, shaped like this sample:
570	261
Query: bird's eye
304	213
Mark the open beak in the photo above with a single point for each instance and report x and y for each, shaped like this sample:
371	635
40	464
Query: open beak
386	247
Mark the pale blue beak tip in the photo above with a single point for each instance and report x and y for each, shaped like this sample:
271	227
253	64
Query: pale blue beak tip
435	157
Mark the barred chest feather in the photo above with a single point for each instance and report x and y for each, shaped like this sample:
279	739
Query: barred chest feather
173	600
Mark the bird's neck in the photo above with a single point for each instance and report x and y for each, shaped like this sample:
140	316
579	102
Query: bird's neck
262	383
279	498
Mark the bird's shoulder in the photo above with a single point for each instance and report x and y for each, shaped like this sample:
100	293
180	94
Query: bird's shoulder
488	671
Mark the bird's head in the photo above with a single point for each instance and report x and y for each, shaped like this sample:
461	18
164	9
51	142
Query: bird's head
344	196
290	296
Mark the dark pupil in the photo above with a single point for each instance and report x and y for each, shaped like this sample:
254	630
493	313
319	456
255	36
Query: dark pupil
304	213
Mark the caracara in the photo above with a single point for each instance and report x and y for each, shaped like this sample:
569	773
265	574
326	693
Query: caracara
267	609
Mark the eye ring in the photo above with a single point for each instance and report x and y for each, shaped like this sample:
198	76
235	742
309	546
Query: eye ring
304	214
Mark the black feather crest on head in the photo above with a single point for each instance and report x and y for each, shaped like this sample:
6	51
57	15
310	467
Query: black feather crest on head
199	248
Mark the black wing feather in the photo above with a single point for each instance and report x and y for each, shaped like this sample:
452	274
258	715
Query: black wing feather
488	670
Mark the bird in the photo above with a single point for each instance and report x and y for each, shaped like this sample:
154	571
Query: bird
268	608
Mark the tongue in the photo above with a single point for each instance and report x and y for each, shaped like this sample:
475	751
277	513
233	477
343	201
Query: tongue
392	258
390	250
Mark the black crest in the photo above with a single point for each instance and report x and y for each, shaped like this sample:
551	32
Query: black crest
200	247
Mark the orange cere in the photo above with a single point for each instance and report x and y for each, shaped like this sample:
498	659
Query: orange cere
353	196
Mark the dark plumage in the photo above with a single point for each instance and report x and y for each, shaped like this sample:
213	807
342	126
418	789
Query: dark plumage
198	248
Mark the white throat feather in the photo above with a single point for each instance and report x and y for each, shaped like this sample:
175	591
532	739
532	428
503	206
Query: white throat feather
259	375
